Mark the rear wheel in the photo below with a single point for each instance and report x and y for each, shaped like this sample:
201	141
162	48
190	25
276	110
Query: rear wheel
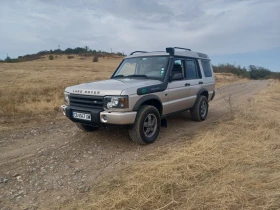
146	127
87	128
199	111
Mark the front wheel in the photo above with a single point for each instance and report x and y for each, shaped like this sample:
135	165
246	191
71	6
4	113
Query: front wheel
199	111
146	127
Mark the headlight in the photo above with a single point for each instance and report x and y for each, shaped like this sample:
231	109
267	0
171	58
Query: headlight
119	102
66	98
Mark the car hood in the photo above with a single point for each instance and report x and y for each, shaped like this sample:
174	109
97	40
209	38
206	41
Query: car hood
109	87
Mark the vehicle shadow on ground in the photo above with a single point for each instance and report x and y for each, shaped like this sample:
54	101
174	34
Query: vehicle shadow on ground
118	136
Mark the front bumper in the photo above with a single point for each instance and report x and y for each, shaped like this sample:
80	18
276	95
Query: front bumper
101	117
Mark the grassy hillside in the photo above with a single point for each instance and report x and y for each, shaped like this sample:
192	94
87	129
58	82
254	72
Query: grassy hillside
34	90
233	165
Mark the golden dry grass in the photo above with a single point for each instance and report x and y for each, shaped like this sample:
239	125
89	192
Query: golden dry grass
33	91
223	79
233	165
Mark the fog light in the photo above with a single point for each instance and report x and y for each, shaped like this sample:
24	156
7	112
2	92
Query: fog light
105	118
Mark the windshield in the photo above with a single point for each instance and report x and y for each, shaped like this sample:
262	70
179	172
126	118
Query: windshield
152	67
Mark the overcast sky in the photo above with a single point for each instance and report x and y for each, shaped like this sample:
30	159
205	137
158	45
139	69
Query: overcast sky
241	31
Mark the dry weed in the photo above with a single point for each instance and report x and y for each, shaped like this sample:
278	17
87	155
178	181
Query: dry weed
229	103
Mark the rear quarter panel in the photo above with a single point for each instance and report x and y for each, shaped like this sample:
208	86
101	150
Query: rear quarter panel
208	82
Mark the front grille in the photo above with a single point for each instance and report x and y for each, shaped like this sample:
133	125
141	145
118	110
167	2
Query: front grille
86	101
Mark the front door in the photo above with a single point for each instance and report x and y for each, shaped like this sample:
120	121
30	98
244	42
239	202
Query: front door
178	90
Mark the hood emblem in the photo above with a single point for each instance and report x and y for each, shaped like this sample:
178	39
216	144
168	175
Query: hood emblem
87	91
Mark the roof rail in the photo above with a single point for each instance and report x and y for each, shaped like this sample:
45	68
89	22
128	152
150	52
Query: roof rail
137	52
182	48
171	50
202	55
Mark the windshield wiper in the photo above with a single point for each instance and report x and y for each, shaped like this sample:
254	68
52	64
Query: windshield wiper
120	75
138	75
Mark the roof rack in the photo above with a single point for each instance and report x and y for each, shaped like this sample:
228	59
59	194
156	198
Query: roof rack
138	52
171	50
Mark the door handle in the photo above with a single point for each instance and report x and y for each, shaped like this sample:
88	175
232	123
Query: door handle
200	83
187	84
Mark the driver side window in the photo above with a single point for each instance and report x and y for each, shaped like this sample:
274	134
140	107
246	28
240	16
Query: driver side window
178	68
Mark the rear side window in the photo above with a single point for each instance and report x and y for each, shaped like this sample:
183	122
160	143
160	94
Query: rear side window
206	68
192	71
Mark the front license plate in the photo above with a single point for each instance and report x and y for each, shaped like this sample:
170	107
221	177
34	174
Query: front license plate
82	116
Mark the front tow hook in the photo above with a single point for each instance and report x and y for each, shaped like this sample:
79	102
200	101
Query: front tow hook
63	109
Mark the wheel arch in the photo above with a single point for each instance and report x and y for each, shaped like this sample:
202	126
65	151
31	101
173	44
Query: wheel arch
152	100
203	92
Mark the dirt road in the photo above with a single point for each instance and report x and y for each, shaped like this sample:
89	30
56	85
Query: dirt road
56	163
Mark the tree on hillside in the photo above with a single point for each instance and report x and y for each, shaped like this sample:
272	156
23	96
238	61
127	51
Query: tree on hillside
259	72
229	68
7	59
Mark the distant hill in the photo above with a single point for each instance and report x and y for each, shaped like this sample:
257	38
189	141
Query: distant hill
83	51
251	72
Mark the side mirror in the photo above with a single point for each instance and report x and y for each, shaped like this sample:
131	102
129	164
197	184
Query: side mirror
177	76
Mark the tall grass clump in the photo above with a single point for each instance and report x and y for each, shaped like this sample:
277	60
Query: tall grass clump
51	57
95	59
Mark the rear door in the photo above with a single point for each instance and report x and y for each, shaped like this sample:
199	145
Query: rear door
208	76
193	77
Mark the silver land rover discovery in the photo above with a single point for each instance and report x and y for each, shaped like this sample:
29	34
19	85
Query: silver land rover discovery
145	88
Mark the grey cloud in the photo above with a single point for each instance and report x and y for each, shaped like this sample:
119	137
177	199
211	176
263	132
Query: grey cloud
218	26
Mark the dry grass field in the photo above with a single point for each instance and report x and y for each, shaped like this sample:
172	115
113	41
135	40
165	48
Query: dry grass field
233	165
33	91
223	79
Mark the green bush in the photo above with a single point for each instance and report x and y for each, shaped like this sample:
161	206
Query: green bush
70	56
252	72
229	68
51	57
95	59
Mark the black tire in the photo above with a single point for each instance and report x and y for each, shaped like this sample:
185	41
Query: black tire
139	133
87	128
197	112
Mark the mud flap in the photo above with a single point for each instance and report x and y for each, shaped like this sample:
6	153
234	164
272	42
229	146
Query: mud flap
163	123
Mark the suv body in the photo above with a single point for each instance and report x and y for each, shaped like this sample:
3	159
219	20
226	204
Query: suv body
144	89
